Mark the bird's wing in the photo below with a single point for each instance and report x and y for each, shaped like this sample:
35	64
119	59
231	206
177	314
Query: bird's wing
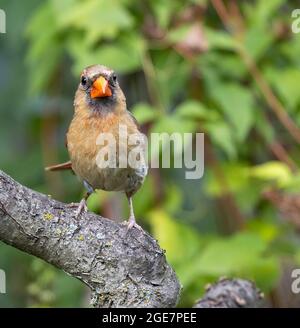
134	119
60	167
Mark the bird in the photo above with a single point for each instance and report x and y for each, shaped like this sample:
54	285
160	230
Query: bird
100	110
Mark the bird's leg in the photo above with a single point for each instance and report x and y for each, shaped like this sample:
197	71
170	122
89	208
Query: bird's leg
82	205
131	220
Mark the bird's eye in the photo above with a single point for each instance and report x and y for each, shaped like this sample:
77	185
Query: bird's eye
114	77
83	80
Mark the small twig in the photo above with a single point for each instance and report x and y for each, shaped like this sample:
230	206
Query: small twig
279	151
222	12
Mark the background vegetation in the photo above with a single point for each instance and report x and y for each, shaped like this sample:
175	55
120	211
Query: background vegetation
230	71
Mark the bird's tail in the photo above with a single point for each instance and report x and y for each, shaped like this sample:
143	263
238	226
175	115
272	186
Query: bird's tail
60	167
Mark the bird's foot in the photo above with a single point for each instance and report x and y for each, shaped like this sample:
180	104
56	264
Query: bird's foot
132	223
82	207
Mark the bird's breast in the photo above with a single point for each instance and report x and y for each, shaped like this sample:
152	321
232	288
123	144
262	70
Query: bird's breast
85	144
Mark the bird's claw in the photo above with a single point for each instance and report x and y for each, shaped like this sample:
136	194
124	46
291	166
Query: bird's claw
132	223
81	208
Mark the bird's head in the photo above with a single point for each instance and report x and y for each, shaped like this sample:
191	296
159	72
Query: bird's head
99	89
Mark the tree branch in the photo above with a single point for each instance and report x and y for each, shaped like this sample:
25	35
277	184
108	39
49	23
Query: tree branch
121	270
231	293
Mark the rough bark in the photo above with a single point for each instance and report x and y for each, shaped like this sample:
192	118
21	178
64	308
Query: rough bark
231	293
121	270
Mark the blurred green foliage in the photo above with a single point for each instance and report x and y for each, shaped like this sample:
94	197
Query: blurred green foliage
182	71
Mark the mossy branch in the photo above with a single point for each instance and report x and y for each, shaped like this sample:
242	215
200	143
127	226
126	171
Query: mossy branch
122	270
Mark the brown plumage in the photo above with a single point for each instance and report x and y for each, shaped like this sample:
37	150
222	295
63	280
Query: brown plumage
100	107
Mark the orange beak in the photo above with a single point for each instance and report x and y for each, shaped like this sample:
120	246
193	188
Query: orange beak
100	88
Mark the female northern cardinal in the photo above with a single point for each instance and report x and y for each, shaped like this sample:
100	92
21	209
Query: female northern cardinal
100	107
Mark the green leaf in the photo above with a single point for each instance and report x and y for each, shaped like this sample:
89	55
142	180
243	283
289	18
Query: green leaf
144	113
292	185
286	82
237	104
40	50
228	64
261	13
291	49
221	136
272	171
163	11
195	110
123	56
263	126
172	124
99	18
220	40
257	46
